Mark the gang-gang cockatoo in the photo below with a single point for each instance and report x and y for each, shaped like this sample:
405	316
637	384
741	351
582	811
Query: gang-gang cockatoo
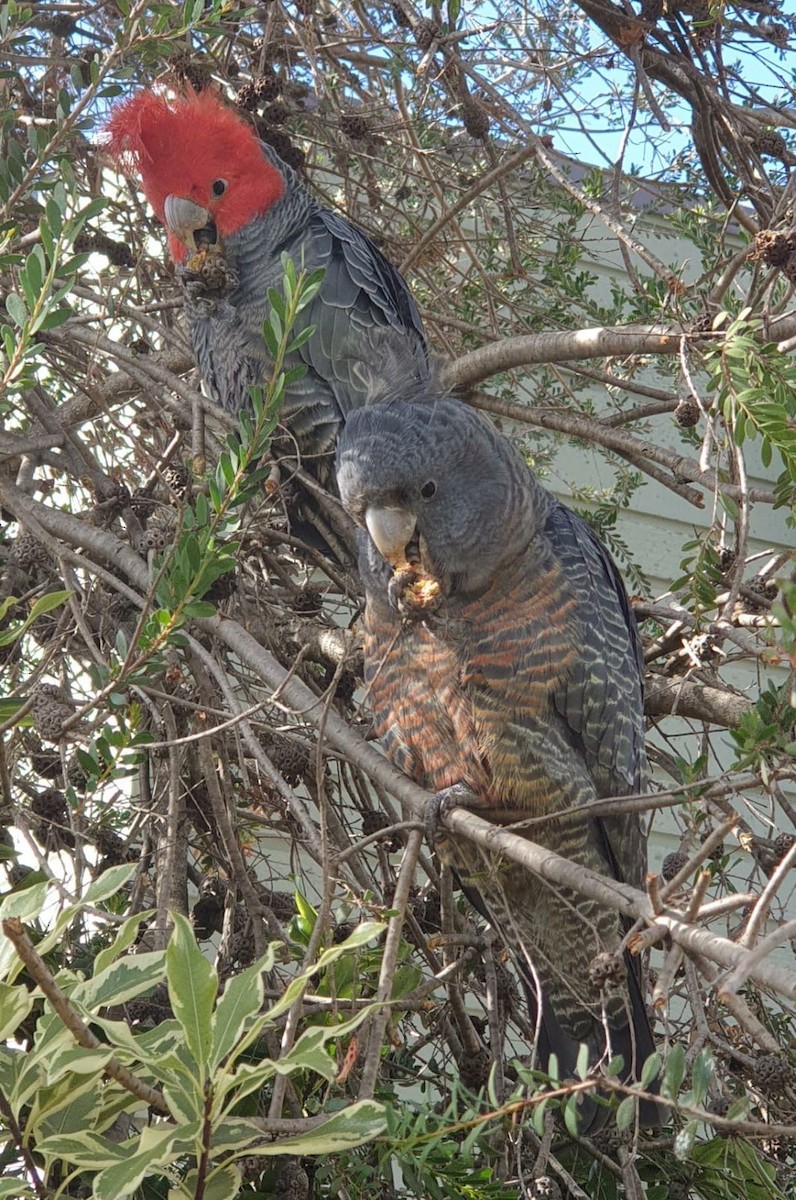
502	661
217	188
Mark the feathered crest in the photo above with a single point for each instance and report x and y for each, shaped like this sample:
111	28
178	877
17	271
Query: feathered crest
154	122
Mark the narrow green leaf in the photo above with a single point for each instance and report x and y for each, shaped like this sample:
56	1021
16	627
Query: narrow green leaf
674	1073
278	308
242	998
25	904
650	1070
538	1116
123	980
15	307
352	1126
684	1140
15	1004
154	1150
300	339
46	604
571	1115
109	883
192	984
83	1149
626	1113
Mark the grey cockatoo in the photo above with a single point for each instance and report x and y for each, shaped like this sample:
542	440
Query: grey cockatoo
502	657
214	184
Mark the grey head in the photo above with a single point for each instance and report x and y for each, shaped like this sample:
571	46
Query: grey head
433	481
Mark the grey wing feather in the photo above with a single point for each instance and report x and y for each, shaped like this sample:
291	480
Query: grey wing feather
363	315
602	699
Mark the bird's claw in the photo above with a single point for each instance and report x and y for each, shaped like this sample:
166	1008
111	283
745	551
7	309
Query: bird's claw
459	795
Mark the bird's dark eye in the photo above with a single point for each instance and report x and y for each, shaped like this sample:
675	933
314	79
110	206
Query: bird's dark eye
428	490
219	187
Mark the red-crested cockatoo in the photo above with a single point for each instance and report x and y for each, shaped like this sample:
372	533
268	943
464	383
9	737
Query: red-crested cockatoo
216	187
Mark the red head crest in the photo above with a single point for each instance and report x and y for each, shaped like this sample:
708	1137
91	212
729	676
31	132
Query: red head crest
184	145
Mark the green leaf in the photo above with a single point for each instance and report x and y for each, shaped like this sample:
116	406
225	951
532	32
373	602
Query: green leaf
193	985
200	608
675	1072
571	1115
15	1004
222	1184
242	998
121	981
15	1189
154	1150
352	1126
127	934
702	1073
626	1113
233	1133
15	307
300	339
77	1060
108	883
582	1065
24	904
83	1149
43	605
650	1070
684	1140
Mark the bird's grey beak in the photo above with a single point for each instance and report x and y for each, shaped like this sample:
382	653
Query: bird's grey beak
185	218
392	530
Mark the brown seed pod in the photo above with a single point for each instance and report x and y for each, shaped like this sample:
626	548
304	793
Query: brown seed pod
474	119
110	845
687	413
773	1072
426	33
207	915
289	757
783	843
354	126
474	1069
177	478
293	1182
719	1106
188	69
246	97
772	246
267	87
673	864
52	706
50	805
770	143
374	821
156	537
29	555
